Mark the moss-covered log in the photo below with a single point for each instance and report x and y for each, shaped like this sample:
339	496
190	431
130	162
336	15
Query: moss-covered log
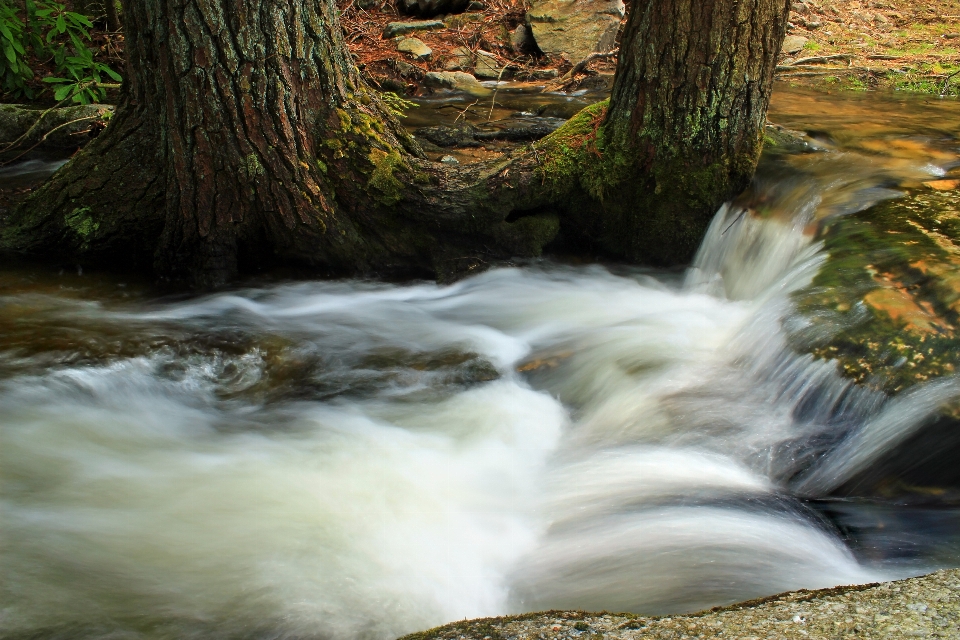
245	137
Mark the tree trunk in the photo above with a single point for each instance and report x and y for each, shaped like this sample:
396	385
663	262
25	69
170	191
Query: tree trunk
245	137
113	17
684	127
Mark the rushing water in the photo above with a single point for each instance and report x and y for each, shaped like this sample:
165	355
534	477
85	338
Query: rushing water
356	459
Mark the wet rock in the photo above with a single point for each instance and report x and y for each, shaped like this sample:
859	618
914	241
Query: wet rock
575	28
415	47
544	74
467	135
17	120
598	83
521	39
486	66
430	8
456	81
449	160
793	44
395	29
444	136
460	59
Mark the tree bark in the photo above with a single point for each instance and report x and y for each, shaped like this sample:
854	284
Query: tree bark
245	137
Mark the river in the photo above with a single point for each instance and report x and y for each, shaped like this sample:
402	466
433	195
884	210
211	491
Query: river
357	459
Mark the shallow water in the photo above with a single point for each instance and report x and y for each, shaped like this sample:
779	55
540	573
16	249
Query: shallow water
352	459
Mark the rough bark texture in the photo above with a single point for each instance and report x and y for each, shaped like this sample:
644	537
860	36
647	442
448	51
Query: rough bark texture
686	117
642	176
245	137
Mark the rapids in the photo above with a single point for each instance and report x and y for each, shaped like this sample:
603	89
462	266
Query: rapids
353	459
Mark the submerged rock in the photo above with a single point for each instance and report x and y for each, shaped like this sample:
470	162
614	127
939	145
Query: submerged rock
575	28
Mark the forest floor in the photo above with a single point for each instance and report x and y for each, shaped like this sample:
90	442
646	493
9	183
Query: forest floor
909	45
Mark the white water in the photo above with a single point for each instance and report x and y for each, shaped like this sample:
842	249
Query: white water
642	461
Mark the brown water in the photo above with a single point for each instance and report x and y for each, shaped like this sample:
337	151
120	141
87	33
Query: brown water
354	459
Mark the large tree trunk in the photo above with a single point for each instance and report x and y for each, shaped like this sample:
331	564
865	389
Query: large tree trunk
684	128
245	137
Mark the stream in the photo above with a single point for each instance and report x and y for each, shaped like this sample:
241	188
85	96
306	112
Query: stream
354	459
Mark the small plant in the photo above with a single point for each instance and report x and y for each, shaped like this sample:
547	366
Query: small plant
398	106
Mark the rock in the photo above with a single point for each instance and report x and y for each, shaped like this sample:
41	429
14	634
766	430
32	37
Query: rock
793	44
430	8
486	66
395	29
544	74
456	81
461	58
476	6
406	70
415	47
575	28
521	39
598	83
449	160
17	120
444	136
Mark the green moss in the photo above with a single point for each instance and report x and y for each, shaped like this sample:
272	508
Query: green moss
383	179
886	305
81	223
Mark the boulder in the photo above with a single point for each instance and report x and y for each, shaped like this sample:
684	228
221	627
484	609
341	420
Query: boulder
793	44
430	8
486	66
575	28
460	59
521	39
456	81
415	47
395	29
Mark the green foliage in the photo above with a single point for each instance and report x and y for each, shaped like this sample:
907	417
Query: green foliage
51	33
397	105
16	72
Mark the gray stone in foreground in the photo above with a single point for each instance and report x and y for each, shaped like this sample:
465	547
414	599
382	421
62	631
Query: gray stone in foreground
395	29
924	607
575	28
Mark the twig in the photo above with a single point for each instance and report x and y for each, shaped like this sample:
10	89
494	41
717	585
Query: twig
943	90
742	212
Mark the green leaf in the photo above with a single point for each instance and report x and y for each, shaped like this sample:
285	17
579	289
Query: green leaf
63	91
113	74
56	80
61	24
9	52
